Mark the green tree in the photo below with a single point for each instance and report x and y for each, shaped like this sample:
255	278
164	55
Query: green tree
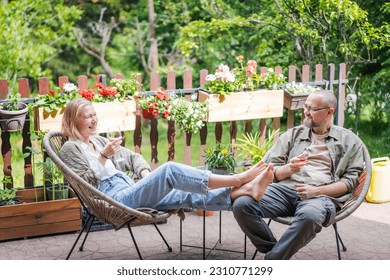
32	32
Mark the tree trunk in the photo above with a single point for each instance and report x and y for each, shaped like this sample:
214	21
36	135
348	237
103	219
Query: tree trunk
153	51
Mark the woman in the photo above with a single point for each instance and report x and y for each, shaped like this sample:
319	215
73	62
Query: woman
170	186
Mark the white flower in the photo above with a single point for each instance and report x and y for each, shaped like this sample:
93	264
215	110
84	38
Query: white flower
69	87
193	97
210	78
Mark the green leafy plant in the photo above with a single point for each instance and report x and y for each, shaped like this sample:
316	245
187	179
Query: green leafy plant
56	99
7	196
219	157
12	103
300	88
52	177
127	87
188	114
252	148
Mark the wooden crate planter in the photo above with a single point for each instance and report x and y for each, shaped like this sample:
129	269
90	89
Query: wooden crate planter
32	218
110	114
294	101
259	104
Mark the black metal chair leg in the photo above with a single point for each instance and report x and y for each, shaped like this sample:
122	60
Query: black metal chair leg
181	235
135	243
78	237
254	255
339	241
87	233
166	243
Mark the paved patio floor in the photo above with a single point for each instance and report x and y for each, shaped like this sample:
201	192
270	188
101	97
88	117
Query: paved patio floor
366	233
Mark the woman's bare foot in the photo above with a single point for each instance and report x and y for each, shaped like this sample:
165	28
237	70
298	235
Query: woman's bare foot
257	186
251	174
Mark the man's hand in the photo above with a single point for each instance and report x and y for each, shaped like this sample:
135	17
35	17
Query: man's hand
305	191
296	163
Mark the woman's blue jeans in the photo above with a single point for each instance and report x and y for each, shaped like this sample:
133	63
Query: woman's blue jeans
170	186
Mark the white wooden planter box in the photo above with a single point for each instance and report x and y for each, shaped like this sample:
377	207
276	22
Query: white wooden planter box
110	114
258	104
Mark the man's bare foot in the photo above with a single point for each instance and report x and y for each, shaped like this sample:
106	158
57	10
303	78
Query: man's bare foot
252	173
257	186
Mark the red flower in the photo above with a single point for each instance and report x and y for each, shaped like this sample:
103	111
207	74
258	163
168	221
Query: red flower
108	91
87	93
166	114
155	113
161	94
51	92
99	85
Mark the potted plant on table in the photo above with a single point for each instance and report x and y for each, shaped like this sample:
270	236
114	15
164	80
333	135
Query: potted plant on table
219	160
13	113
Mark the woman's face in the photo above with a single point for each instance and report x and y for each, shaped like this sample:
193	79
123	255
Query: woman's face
87	122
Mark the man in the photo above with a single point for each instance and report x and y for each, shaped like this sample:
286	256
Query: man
316	167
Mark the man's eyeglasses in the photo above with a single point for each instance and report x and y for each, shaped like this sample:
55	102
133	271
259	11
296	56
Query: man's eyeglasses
313	109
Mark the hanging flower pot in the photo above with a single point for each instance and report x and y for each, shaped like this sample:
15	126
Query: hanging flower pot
12	121
147	115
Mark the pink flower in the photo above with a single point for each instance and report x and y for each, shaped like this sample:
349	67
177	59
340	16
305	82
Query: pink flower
251	66
240	58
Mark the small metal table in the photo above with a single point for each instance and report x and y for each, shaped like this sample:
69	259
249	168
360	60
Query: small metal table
219	240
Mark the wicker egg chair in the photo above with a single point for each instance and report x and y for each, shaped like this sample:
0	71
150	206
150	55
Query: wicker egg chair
99	206
349	206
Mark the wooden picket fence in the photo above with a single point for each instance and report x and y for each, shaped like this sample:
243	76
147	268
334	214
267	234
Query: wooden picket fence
305	74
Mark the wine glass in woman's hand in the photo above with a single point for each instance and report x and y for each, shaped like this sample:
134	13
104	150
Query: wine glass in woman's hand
115	134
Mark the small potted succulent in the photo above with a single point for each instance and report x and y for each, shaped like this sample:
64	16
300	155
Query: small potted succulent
13	113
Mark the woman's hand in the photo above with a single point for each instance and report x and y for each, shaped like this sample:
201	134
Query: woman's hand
113	146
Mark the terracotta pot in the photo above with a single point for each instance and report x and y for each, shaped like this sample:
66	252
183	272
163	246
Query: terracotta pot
146	115
207	212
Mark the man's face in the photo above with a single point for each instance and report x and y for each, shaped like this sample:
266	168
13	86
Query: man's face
317	114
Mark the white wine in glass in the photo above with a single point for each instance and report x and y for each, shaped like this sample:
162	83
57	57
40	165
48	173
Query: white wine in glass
113	133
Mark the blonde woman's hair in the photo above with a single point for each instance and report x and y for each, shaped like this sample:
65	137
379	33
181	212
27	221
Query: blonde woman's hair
71	114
